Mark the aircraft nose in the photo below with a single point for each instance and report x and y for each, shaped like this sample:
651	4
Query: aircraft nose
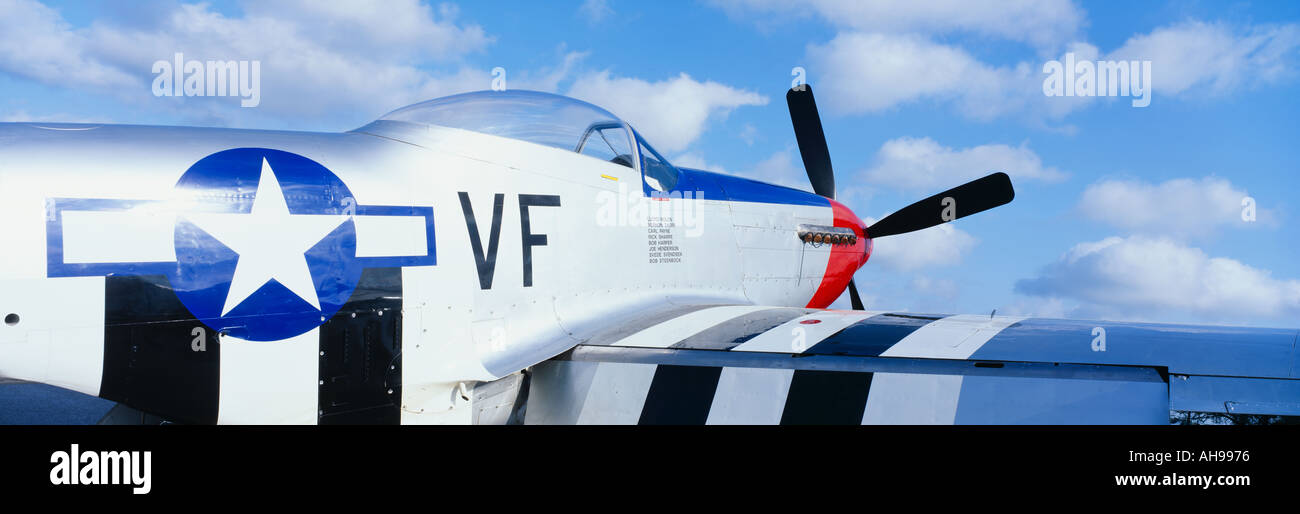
844	217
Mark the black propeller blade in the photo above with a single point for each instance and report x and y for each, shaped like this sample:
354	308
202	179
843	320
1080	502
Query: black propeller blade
975	196
854	298
812	141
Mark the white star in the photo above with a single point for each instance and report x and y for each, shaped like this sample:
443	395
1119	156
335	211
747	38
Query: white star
271	243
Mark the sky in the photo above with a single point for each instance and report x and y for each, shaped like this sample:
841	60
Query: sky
1122	212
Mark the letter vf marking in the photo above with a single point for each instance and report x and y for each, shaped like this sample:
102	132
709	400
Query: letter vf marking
486	262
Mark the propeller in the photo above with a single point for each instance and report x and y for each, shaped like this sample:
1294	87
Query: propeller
812	141
854	299
975	196
961	201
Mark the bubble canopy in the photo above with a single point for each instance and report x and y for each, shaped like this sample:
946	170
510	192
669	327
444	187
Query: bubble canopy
545	119
533	116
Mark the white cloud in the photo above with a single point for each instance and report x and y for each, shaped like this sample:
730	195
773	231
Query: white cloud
782	168
1180	208
670	113
1037	308
863	73
749	134
940	288
1141	277
35	42
888	53
942	245
1214	58
407	28
696	161
331	64
595	11
871	72
922	163
322	60
1037	22
549	79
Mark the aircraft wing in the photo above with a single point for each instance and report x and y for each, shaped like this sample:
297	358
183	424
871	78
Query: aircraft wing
769	365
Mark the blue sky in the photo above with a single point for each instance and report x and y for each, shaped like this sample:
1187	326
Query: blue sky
1121	213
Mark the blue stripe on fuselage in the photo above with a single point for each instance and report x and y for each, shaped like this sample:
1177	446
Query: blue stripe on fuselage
736	189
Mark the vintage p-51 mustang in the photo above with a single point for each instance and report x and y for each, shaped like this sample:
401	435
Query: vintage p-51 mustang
521	257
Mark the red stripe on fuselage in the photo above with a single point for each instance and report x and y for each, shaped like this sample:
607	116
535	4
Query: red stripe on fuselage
844	259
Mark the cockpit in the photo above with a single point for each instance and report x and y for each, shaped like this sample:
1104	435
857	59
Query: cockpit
546	119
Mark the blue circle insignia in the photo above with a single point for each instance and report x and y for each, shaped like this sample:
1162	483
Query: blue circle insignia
265	243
